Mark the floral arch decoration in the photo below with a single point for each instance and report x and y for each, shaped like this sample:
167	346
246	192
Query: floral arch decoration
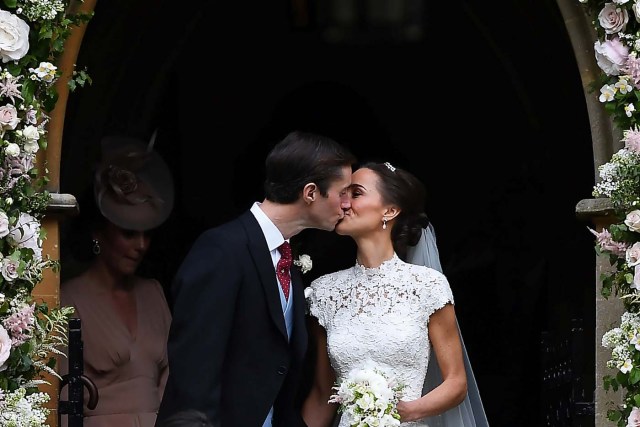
32	38
617	26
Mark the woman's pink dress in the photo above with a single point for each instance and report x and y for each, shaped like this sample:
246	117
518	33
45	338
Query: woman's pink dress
130	372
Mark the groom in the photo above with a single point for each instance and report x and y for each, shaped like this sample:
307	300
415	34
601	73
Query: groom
238	338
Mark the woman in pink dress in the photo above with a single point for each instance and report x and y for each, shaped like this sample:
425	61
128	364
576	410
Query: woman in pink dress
125	318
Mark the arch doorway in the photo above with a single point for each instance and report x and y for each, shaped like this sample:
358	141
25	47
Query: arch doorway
504	160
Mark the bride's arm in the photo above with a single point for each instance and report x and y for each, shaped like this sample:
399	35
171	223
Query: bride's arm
316	412
445	342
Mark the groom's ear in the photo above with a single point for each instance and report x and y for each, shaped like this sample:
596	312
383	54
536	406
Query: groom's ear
309	192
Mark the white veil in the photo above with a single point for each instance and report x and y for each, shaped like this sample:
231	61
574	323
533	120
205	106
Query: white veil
470	413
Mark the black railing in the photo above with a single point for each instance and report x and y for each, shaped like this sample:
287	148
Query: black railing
563	396
76	381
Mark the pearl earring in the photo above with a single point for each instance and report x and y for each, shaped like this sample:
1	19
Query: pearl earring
384	223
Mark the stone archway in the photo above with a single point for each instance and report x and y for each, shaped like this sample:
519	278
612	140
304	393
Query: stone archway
605	139
61	205
578	27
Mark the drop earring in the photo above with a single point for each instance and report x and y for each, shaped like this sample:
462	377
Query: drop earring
96	247
384	223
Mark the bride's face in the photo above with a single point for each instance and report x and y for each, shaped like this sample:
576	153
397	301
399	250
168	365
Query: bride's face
367	208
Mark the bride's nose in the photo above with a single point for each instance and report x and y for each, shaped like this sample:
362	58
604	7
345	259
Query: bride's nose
345	202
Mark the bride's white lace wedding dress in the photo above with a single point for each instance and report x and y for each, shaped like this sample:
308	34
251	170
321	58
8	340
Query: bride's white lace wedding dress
380	314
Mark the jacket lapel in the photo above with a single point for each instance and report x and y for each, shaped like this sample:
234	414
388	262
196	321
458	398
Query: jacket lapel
262	259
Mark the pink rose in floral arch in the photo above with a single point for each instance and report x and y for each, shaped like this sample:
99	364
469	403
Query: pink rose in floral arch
611	55
5	348
634	418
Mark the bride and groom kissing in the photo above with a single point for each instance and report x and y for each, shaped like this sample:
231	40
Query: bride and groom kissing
239	337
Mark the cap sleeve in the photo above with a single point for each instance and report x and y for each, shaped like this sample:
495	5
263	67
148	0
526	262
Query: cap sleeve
315	295
437	292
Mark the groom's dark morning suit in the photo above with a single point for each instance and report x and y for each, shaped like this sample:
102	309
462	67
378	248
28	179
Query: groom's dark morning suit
229	355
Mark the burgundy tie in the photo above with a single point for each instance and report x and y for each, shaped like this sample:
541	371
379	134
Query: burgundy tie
282	270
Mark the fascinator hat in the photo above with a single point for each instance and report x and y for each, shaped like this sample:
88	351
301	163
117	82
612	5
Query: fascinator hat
133	186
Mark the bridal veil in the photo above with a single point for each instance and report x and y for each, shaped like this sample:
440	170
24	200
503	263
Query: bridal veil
470	413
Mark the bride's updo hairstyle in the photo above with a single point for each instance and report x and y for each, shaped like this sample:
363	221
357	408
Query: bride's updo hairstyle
403	189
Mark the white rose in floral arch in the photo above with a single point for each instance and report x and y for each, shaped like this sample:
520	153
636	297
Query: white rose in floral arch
5	348
636	278
26	234
4	224
9	117
9	269
14	37
633	255
12	149
613	18
31	134
632	221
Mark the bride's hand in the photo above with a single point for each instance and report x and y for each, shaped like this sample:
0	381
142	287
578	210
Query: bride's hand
407	411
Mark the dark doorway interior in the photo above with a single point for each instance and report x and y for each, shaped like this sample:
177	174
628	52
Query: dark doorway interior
488	112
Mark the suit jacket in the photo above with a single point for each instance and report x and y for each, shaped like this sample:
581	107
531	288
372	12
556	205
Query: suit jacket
229	355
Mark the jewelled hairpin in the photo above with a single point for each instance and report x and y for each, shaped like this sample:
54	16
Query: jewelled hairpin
390	166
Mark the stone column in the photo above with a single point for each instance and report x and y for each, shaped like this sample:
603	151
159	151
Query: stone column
599	213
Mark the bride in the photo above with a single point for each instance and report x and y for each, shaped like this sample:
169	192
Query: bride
391	312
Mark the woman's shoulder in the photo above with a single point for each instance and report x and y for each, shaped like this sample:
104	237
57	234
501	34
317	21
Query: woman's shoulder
72	289
327	280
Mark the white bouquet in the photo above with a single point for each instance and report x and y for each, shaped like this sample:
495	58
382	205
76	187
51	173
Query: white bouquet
368	397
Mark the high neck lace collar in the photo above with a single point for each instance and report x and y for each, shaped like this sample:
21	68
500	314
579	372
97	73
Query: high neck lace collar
385	267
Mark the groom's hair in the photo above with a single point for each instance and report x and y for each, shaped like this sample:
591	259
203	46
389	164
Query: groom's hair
301	158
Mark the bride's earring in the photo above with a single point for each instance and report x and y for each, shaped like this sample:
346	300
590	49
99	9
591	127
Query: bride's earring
384	223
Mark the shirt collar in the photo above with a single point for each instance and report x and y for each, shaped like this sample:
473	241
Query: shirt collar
272	235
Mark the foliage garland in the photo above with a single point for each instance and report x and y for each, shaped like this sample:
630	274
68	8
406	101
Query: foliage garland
32	38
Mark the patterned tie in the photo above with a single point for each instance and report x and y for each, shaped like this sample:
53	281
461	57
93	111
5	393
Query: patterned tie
282	270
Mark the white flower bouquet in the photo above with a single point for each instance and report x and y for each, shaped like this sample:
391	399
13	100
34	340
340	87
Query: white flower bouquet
368	397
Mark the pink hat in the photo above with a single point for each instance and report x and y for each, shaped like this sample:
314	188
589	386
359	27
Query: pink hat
133	186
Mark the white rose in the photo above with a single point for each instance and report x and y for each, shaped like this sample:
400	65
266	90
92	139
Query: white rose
26	234
12	150
31	133
31	147
636	9
9	269
636	279
14	37
633	255
613	18
9	117
633	220
4	224
5	348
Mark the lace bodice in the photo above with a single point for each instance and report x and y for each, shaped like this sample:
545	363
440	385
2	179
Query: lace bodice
380	314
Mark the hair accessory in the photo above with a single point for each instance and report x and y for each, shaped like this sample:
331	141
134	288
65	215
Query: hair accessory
133	186
96	247
390	166
384	223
